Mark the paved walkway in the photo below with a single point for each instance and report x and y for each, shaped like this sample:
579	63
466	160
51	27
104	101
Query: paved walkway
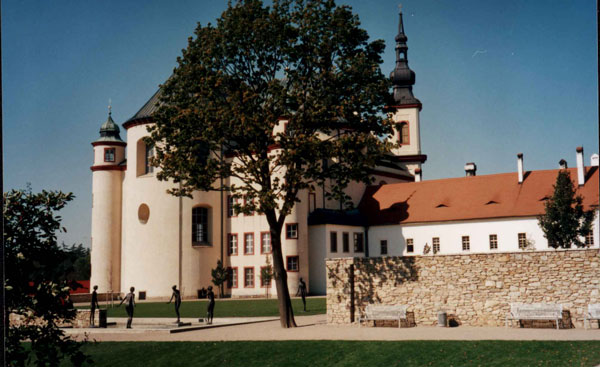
315	328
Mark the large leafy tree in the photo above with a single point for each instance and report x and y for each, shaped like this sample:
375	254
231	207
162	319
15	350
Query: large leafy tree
36	290
565	222
306	61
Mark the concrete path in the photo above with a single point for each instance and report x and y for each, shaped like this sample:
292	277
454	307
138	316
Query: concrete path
316	328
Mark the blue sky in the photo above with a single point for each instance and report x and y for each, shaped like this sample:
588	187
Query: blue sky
495	78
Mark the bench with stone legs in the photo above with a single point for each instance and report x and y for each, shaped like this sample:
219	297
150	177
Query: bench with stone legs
593	313
375	312
535	311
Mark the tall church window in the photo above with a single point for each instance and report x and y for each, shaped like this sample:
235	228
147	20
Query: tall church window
403	137
200	226
149	155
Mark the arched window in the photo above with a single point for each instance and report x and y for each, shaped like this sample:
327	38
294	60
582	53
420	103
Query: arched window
200	226
403	137
148	168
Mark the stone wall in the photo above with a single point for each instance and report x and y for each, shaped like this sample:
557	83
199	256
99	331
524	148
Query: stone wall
81	320
473	289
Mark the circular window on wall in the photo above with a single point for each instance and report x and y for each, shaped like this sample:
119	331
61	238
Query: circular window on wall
143	213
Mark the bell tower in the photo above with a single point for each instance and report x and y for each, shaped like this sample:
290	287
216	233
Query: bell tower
405	107
107	191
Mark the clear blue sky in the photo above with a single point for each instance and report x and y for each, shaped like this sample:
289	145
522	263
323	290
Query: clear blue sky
495	78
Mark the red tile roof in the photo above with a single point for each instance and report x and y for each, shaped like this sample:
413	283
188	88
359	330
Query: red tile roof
464	198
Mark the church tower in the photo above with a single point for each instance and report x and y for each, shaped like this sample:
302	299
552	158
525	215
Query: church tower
107	192
405	108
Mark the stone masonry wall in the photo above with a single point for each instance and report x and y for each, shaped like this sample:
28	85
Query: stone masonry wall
474	289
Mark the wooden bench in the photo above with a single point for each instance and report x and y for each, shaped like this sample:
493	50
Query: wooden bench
535	311
383	312
593	313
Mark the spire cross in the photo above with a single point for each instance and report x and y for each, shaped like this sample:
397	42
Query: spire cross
109	106
400	8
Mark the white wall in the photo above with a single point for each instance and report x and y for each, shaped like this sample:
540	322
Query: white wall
320	249
450	234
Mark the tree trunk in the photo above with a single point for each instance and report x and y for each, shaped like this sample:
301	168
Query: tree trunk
286	314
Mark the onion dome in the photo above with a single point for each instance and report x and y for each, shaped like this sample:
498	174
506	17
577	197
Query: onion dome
109	131
402	77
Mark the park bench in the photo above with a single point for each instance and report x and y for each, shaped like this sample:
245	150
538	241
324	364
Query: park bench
383	312
535	311
593	313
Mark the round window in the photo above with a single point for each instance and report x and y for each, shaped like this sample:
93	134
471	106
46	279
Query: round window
143	213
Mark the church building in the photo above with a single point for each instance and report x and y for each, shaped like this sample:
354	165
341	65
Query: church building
146	238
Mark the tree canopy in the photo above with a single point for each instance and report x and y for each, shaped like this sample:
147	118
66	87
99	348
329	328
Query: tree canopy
307	63
565	222
35	286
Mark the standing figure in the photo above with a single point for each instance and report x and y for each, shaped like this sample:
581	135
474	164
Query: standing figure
94	306
177	296
211	305
302	292
130	298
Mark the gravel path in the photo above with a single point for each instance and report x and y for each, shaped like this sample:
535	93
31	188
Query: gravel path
316	328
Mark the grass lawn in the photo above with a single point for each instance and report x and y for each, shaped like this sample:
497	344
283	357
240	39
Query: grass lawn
346	353
223	308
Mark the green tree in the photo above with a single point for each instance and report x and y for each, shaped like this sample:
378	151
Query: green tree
565	221
34	289
219	276
307	61
266	274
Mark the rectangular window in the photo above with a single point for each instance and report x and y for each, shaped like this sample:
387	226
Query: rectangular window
345	242
264	283
149	155
312	202
230	203
384	249
232	244
248	277
249	201
493	242
200	226
232	278
466	245
265	242
109	154
291	230
293	263
436	244
522	240
358	242
410	246
589	239
332	242
248	243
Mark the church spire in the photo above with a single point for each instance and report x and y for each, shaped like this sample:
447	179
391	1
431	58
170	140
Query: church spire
402	77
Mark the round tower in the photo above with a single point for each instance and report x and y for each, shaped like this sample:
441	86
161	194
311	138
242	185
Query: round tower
107	191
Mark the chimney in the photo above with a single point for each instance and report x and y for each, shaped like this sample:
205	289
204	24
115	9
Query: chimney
418	177
580	167
520	167
470	169
594	160
562	164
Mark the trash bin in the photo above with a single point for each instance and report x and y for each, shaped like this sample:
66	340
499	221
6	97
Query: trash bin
102	318
442	319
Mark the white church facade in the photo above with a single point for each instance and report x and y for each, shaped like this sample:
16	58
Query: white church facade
146	238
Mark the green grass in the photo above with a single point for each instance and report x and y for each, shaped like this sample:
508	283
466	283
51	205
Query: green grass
346	353
223	308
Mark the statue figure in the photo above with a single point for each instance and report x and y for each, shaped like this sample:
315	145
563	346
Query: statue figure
94	306
130	299
302	292
211	305
177	296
